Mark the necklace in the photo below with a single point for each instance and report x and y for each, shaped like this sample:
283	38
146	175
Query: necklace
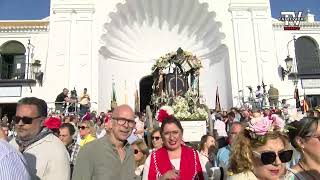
306	171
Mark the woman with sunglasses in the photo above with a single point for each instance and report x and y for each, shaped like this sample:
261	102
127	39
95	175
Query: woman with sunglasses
140	151
260	151
87	132
174	160
305	137
156	139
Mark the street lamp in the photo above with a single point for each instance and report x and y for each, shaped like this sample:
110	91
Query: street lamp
38	75
289	64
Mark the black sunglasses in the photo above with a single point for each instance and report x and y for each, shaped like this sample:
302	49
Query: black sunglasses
270	156
82	127
136	151
25	120
155	138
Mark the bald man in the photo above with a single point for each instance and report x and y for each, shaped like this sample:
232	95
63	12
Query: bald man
109	157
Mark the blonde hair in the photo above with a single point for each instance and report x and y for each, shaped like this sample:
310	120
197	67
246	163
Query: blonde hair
90	126
241	157
144	149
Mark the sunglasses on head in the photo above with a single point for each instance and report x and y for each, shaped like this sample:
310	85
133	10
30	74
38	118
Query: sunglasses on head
136	151
155	138
270	156
24	119
82	127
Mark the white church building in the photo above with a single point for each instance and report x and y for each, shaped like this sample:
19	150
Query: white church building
93	43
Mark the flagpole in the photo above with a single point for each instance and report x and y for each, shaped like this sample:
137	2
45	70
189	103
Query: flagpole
176	80
217	106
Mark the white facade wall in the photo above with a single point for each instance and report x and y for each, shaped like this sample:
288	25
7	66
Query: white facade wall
284	43
39	49
92	43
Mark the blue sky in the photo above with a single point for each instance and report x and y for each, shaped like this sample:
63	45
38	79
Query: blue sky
38	9
295	5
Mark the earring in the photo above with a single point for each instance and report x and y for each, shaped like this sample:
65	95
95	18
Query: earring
302	149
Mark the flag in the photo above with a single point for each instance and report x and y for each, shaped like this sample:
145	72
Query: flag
218	106
113	96
136	101
297	98
305	105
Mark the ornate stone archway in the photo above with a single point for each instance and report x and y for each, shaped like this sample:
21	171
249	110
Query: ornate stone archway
141	31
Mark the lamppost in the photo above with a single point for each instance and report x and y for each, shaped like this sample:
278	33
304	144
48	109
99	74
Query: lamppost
290	71
289	64
28	58
38	75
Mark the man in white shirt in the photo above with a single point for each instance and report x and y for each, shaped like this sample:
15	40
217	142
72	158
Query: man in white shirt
220	127
259	96
12	163
45	154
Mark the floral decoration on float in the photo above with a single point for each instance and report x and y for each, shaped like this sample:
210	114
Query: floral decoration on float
184	108
176	87
188	60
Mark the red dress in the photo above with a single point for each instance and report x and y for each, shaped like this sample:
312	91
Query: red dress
190	167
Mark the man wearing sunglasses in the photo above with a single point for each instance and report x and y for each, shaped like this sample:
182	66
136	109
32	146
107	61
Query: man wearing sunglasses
109	157
45	154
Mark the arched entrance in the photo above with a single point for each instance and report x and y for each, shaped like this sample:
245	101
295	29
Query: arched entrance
12	60
145	86
307	56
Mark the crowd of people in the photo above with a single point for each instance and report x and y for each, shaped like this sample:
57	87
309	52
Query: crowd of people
117	145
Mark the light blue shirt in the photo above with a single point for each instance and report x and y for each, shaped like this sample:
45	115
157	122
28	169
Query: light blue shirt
295	157
223	156
12	163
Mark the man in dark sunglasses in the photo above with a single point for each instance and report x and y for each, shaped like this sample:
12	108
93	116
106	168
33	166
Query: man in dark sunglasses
109	157
37	142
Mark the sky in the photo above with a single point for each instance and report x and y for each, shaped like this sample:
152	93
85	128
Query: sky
39	9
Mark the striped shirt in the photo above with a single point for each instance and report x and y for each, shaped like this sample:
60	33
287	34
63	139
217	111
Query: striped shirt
12	163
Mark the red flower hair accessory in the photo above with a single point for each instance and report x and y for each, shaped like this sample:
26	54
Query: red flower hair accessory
164	112
53	123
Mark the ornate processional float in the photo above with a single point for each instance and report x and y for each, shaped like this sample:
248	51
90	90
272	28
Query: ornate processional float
176	92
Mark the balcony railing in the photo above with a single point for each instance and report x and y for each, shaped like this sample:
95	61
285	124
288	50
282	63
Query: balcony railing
16	74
